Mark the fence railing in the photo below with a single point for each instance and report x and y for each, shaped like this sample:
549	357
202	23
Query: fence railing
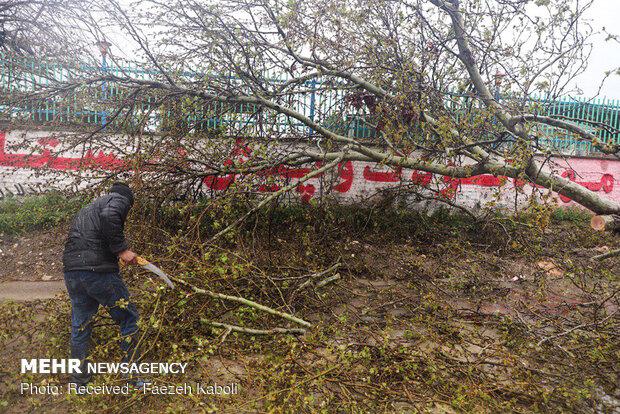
322	100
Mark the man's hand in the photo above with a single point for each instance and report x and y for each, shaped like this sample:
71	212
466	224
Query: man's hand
128	256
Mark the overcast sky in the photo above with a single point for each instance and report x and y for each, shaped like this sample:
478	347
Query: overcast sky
605	55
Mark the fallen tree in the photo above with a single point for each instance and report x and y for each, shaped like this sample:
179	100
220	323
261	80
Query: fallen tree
234	87
416	74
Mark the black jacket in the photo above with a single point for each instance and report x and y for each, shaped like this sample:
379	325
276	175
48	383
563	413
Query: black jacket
96	235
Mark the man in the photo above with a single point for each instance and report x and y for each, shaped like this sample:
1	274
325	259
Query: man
93	247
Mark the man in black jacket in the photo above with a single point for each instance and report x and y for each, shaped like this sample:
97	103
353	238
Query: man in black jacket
93	247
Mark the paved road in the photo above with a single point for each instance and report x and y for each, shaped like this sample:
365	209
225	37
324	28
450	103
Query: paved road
26	291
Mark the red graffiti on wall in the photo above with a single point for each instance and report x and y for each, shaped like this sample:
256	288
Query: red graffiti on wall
382	177
219	183
306	191
241	152
520	183
422	179
48	142
606	183
483	180
48	159
345	173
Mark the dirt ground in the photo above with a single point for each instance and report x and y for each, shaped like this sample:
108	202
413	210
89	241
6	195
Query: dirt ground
454	324
31	266
35	256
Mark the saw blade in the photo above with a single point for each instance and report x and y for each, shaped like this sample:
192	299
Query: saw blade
154	269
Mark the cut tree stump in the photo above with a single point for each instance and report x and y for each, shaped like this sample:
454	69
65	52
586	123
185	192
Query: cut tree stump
608	222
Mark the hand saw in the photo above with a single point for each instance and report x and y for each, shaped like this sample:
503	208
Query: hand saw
151	268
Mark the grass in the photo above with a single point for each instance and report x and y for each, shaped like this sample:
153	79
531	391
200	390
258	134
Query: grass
18	215
572	214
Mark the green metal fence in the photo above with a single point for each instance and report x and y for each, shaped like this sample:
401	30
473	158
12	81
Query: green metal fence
320	99
600	116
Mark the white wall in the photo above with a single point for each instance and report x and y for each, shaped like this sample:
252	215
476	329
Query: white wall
36	161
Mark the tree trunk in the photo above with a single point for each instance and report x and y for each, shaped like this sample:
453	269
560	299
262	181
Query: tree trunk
608	222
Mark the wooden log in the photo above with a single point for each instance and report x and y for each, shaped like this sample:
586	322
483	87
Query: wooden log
607	222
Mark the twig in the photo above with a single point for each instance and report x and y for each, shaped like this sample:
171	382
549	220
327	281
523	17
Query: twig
250	331
318	275
394	302
225	335
606	255
326	271
243	301
328	280
585	325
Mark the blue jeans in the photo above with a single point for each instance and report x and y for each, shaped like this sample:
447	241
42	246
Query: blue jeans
87	291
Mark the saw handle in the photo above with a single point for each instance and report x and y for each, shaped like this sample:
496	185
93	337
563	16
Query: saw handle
139	260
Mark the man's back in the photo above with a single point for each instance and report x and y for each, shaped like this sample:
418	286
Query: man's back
96	235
